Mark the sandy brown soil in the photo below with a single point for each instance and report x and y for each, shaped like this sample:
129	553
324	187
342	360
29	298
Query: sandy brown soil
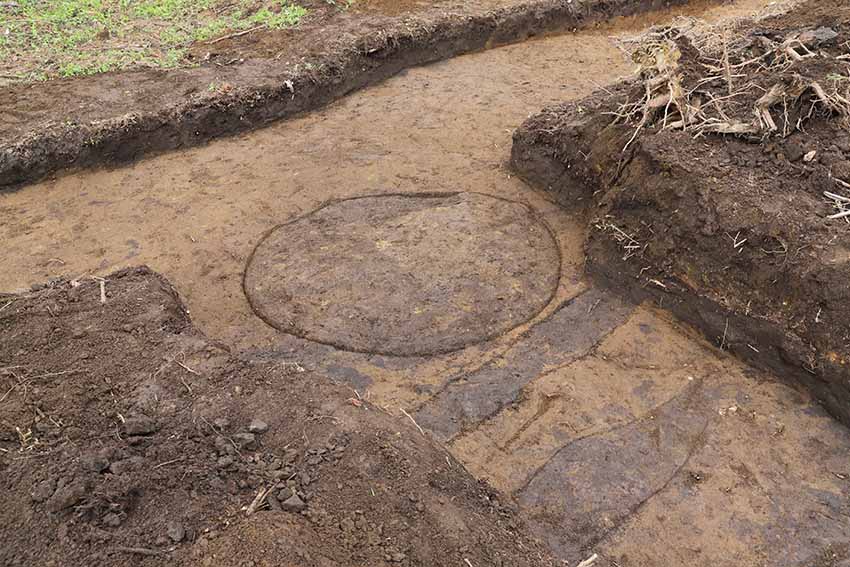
258	78
611	429
732	232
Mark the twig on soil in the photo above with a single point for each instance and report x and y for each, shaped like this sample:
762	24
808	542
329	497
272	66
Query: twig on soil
186	368
841	182
626	240
666	104
410	417
736	243
840	202
171	462
26	381
102	283
221	432
9	391
589	561
237	34
259	500
723	338
7	304
727	68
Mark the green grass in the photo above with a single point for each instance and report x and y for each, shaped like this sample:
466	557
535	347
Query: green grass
40	39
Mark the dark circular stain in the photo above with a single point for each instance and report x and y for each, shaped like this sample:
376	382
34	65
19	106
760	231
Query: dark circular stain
405	275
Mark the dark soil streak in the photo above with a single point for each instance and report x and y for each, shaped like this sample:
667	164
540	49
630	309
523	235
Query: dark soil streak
687	393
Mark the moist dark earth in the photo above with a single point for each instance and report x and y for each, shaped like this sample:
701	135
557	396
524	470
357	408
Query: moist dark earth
129	438
405	275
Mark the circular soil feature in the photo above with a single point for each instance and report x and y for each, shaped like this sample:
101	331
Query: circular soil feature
405	275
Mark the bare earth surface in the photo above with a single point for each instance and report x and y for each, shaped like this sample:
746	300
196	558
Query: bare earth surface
615	431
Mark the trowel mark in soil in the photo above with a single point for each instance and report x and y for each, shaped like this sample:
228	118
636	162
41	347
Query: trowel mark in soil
405	275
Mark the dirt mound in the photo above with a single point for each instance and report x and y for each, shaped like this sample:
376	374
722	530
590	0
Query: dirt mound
717	183
128	438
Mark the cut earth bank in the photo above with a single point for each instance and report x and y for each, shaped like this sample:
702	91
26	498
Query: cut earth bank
716	186
610	429
250	80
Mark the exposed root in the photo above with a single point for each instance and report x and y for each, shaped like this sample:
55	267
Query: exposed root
627	242
755	89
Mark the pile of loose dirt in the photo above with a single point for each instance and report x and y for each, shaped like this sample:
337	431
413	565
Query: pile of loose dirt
128	438
716	183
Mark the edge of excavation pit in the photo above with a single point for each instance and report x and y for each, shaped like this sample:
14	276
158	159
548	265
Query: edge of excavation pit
565	153
285	90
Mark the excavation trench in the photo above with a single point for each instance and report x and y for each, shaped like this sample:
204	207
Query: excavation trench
614	431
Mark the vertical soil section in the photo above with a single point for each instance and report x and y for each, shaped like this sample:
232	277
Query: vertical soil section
735	224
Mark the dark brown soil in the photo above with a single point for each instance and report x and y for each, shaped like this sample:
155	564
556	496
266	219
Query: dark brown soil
729	232
127	438
247	82
405	275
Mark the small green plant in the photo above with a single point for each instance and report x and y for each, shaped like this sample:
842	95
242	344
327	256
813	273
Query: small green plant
71	38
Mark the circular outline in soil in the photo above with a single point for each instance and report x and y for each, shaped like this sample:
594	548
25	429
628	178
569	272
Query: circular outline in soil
301	334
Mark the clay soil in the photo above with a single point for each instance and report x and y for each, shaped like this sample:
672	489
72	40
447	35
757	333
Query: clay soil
727	222
606	427
129	438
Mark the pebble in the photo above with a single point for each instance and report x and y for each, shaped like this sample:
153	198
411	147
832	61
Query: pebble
293	504
95	462
274	503
139	426
818	36
175	530
112	520
258	426
43	490
245	440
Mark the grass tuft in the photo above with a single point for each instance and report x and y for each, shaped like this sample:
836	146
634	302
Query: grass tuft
40	39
